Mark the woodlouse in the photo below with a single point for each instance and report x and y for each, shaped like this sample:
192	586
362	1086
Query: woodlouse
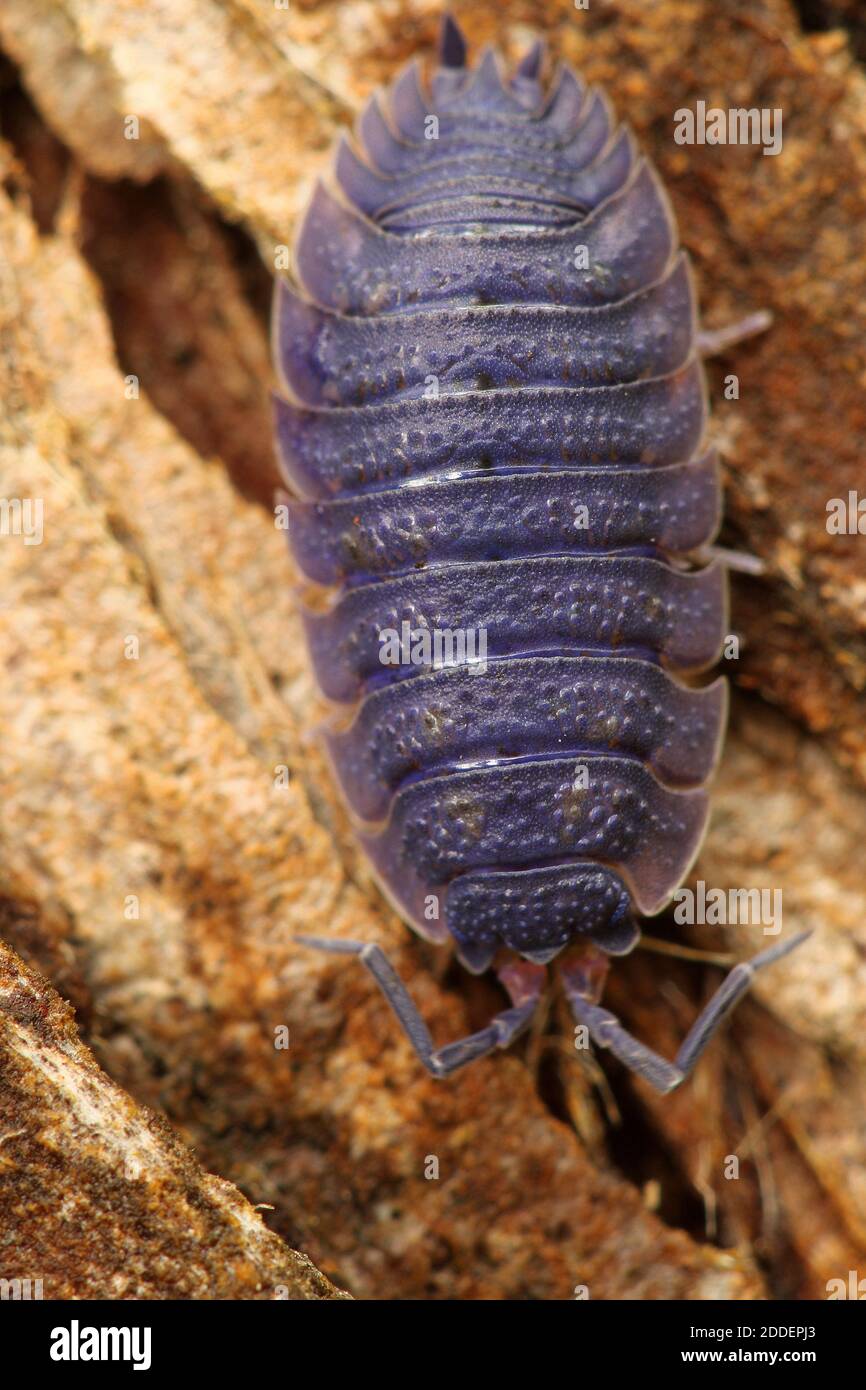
495	424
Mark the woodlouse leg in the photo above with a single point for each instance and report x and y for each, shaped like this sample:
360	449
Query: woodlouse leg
739	560
712	341
500	1032
606	1031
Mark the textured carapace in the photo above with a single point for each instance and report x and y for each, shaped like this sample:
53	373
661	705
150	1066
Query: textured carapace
496	430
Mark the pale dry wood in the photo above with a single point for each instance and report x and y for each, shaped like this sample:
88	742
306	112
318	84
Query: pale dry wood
98	1197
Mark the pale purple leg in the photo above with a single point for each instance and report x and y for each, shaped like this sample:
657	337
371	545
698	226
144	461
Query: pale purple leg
606	1031
500	1032
712	341
738	560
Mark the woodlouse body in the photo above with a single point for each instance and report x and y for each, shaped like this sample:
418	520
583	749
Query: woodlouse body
496	424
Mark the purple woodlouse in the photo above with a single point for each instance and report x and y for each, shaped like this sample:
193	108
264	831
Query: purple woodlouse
494	425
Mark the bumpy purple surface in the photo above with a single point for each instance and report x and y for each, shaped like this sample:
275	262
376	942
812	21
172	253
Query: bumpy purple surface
525	262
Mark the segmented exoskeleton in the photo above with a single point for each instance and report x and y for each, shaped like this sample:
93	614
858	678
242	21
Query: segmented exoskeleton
496	427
